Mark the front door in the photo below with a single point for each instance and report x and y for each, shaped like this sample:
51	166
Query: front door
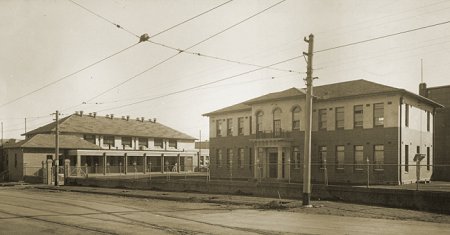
273	166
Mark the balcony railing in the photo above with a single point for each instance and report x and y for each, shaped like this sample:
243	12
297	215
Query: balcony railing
273	134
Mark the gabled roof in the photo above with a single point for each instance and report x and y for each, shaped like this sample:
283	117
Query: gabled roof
289	93
232	108
86	124
327	92
48	141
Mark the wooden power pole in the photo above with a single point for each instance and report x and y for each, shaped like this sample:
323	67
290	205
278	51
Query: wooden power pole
56	148
308	123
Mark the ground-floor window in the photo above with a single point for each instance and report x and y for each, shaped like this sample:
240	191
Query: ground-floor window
241	158
340	154
359	157
219	158
322	156
296	157
378	156
229	157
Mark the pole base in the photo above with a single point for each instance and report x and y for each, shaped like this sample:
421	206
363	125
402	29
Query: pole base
306	199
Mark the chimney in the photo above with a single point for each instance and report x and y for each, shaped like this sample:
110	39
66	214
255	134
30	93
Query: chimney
123	117
95	114
128	117
154	120
90	114
81	113
142	119
112	116
107	115
77	113
423	89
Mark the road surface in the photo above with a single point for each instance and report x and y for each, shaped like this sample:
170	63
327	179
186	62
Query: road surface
32	211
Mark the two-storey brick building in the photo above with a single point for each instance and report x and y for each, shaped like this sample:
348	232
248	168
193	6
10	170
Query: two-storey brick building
356	125
103	145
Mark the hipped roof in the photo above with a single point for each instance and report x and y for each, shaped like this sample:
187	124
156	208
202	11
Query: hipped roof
100	125
48	141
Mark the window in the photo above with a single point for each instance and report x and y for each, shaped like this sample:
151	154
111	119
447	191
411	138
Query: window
108	141
172	143
340	118
89	138
340	153
250	158
126	141
15	160
359	157
428	121
406	114
218	127
259	119
229	127
229	157
202	162
241	158
418	149
158	143
428	159
296	118
322	119
277	122
378	156
296	156
322	156
406	158
143	142
357	116
250	124
219	157
378	114
241	126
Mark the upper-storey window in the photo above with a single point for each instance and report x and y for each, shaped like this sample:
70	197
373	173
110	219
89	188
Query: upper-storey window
229	127
378	114
340	118
241	126
428	121
406	114
277	122
158	143
143	142
259	121
172	143
296	118
322	119
89	138
126	141
219	127
358	116
108	140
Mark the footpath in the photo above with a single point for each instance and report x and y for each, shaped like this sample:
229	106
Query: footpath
264	203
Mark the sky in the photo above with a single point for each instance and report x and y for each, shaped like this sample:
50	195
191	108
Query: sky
44	43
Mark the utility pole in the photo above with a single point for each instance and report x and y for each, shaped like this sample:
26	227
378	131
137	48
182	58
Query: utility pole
199	150
56	148
308	123
25	125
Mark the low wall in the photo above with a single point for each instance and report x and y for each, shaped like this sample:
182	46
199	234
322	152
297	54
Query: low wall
410	199
265	189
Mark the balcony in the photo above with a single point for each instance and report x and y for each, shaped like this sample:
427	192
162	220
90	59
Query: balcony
276	134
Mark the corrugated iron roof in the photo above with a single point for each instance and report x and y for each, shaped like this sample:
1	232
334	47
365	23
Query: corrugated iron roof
325	92
111	126
48	141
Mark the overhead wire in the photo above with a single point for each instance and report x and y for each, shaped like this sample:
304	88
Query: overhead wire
67	76
382	37
201	85
179	52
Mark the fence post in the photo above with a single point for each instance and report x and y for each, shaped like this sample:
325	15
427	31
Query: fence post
325	173
368	172
44	175
49	171
66	170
